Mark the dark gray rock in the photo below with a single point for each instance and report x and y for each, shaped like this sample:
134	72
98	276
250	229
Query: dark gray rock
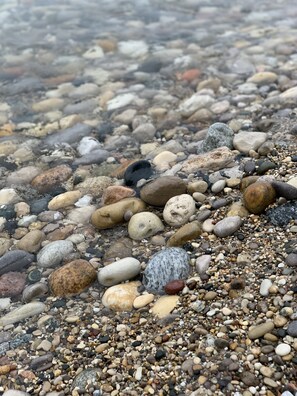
41	361
284	190
291	260
165	266
69	135
15	260
94	157
218	135
292	329
282	215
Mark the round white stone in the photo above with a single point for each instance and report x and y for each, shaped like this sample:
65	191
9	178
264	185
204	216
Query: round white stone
119	271
179	209
144	225
265	286
283	349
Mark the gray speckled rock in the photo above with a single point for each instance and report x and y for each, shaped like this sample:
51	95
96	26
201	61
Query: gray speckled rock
23	312
53	253
16	260
87	376
218	135
292	329
227	226
165	266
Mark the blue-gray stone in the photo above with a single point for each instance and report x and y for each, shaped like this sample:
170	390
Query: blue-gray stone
218	135
69	135
15	260
167	265
282	215
94	157
292	329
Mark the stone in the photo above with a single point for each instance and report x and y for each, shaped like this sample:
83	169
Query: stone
202	263
143	300
185	234
119	271
174	287
265	286
258	196
94	157
121	248
53	253
285	190
64	200
81	215
218	186
247	141
22	176
208	225
51	178
69	135
8	196
292	329
23	312
214	160
283	349
31	242
120	101
13	392
85	378
160	190
227	226
144	133
111	215
5	244
167	265
133	48
72	278
120	297
15	260
282	215
12	284
136	171
164	305
47	105
113	194
218	135
36	290
87	145
237	209
144	225
164	160
249	379
199	186
289	96
194	103
179	209
260	330
199	197
263	78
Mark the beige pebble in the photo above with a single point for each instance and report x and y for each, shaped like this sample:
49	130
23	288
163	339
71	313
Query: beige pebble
63	200
164	305
143	300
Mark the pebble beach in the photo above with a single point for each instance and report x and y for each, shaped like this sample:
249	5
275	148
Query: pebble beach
148	198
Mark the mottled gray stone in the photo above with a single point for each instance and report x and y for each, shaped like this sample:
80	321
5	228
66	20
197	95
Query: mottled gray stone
227	226
85	378
165	266
218	135
15	260
292	329
53	253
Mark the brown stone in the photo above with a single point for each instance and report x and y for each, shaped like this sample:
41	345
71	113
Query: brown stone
72	278
114	194
51	178
12	284
247	181
160	190
258	196
184	234
217	159
237	284
60	233
174	287
121	249
31	242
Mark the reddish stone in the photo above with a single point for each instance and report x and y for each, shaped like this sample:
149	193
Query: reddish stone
189	75
174	287
51	178
12	284
115	194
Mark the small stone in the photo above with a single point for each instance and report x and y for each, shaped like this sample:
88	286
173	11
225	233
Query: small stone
218	135
227	226
281	215
72	278
263	78
218	186
144	225
120	297
265	286
292	329
174	287
160	190
15	260
63	200
247	141
283	349
119	249
197	186
215	160
249	379
53	253
164	160
144	132
202	264
31	242
51	178
13	392
285	190
119	271
185	234
258	196
237	209
12	284
23	312
179	209
143	301
211	295
237	284
199	197
136	171
260	330
194	103
164	305
114	194
36	290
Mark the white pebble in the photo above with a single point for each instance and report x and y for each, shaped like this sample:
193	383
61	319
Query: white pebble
265	286
283	349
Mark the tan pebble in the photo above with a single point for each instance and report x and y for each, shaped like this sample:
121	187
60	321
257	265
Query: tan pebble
237	209
63	200
280	321
273	289
120	297
72	319
142	301
233	182
6	368
202	379
21	209
164	305
102	347
31	242
210	295
270	337
27	374
186	233
266	371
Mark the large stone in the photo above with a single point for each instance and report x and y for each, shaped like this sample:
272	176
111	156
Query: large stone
113	194
215	160
22	176
119	271
260	330
179	209
94	186
246	141
51	178
15	260
111	215
258	196
23	312
194	103
285	190
120	298
167	265
9	196
227	226
12	284
72	278
53	253
144	225
263	78
218	135
160	190
184	234
31	242
69	135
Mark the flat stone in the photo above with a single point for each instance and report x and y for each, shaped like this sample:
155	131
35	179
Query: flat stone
215	160
227	226
263	78
85	378
120	297
53	253
13	392
246	141
15	260
164	305
94	186
179	209
184	234
144	225
8	196
81	215
283	349
144	132
51	178
218	186
160	190
22	176
119	271
69	135
31	242
64	200
143	300
260	330
288	96
23	312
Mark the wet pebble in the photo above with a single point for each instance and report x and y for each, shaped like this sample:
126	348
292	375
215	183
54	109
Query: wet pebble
227	226
119	271
53	253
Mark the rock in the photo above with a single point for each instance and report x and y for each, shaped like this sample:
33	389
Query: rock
119	271
72	278
120	298
215	160
184	234
120	101
283	349
167	265
33	291
111	215
5	244
246	141
291	260
69	135
85	378
202	263
142	301
81	215
63	200
194	103
15	260
113	194
53	253
263	78
12	284
164	160
164	305
265	286
199	186
94	186
23	312
87	145
119	249
179	209
144	225
160	190
285	190
51	178
258	196
199	197
249	379
282	215
265	166
260	330
136	171
292	329
13	392
94	157
237	209
289	96
144	133
227	226
174	287
208	225
218	186
218	135
9	196
31	242
133	48
47	105
22	176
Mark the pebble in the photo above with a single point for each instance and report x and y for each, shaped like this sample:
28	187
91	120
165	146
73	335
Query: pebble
136	171
113	194
174	286
227	226
160	190
13	392
258	196
283	349
245	142
143	300
218	135
164	305
265	286
260	330
292	329
63	200
52	178
214	160
12	284
218	186
31	242
23	312
32	291
185	234
281	215
144	225
15	260
8	196
179	209
202	263
120	297
119	271
53	253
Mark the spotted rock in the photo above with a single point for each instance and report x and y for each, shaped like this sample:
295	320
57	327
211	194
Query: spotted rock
258	196
51	178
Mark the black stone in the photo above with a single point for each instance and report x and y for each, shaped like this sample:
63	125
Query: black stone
59	303
15	260
57	191
265	166
282	215
104	339
10	226
152	65
136	343
40	205
7	211
160	353
249	167
294	158
11	166
138	170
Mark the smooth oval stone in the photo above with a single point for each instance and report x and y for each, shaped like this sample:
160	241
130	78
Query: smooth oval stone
15	260
202	263
51	178
23	312
144	225
120	297
36	290
237	209
174	287
218	186
227	226
12	284
185	234
72	278
113	194
285	190
167	265
258	196
111	215
283	349
164	305
160	190
179	209
136	171
52	254
119	271
292	329
63	200
31	242
142	301
260	330
264	288
265	166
